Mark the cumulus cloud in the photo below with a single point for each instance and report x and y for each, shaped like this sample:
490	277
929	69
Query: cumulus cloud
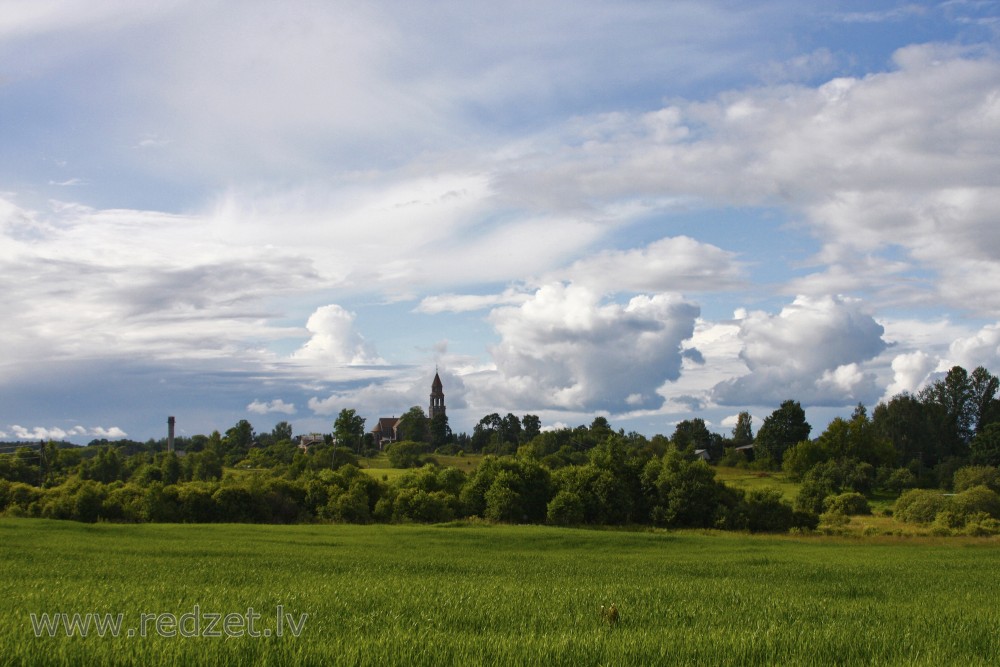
566	348
909	372
277	405
334	340
979	349
811	351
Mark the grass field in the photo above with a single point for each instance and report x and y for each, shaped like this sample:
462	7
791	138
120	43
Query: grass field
473	594
379	467
742	478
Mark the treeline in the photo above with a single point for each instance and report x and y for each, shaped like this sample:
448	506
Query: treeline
618	484
944	439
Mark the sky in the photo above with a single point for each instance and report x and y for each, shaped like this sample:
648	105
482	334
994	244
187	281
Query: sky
650	211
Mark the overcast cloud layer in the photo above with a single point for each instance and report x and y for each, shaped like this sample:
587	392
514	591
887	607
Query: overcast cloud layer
652	211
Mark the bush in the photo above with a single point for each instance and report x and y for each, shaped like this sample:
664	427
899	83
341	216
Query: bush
977	500
982	525
406	454
566	509
767	512
970	476
811	495
920	505
848	504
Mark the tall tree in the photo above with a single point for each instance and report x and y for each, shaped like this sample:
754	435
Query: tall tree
743	431
531	427
692	433
349	429
414	425
784	427
984	386
956	410
440	431
282	431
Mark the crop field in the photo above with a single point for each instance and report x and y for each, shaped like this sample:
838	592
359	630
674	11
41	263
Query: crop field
474	594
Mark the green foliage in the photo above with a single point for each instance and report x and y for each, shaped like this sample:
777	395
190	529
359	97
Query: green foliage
406	454
920	505
414	426
985	447
349	429
743	431
803	456
682	493
783	428
970	476
767	511
565	509
848	504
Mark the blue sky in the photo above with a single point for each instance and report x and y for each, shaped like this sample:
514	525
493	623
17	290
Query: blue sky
647	210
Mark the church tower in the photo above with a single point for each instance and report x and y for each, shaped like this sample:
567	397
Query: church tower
437	397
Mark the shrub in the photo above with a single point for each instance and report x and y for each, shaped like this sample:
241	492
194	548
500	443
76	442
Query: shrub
982	525
920	505
566	509
978	499
970	476
811	495
848	504
767	512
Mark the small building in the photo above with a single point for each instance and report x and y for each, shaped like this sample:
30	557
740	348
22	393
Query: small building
307	441
703	454
386	431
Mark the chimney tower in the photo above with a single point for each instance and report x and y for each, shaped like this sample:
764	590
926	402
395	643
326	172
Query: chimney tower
170	434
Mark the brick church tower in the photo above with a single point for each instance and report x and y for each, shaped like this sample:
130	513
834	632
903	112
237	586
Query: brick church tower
437	397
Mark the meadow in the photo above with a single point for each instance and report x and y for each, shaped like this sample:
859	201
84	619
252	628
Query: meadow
507	595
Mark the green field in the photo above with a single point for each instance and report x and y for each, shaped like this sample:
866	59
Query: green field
742	478
473	594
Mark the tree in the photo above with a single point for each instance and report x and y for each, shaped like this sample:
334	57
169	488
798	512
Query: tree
954	418
349	429
531	426
743	432
904	420
692	434
510	429
986	446
414	425
783	428
282	431
986	407
486	430
440	431
238	441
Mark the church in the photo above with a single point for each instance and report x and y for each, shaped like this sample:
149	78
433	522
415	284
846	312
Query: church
386	429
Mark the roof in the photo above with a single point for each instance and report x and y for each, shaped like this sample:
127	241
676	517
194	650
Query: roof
386	424
436	385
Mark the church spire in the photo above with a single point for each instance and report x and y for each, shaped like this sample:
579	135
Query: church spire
437	397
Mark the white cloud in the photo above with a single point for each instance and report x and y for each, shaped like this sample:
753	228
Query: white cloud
810	351
910	371
673	264
334	339
459	303
979	349
112	433
566	348
57	433
277	405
